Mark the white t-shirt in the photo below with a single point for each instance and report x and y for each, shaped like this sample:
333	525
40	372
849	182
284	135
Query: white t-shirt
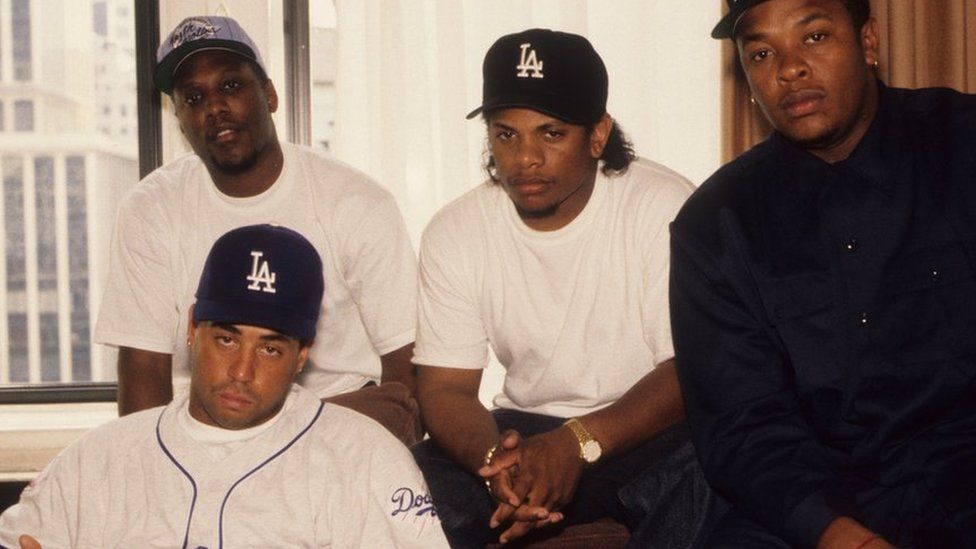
168	222
319	476
576	316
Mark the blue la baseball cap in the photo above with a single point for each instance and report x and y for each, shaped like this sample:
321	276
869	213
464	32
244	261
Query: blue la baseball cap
198	33
262	275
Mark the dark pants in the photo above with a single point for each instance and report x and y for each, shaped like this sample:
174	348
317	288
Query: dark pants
908	516
657	490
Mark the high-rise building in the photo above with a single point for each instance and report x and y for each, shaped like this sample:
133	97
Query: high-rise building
68	149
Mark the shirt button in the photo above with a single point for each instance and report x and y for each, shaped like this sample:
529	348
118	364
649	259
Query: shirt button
864	318
851	245
934	273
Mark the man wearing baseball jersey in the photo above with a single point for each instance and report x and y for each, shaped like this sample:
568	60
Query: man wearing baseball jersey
246	457
241	174
559	262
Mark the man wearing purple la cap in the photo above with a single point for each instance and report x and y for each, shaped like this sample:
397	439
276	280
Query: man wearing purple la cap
240	173
245	457
823	297
558	262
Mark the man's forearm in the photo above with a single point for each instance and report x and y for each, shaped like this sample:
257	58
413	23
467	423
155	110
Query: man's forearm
649	407
396	366
465	430
455	418
145	380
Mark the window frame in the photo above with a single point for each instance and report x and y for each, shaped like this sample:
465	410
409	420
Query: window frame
295	21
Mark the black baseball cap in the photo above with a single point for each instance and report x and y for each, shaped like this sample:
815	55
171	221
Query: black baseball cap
262	275
553	72
198	33
737	8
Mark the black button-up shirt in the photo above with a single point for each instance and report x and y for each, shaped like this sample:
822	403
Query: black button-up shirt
824	321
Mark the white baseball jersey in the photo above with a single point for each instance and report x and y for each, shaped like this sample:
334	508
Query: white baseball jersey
168	222
577	315
319	476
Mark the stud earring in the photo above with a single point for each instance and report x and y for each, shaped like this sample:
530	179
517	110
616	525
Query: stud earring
752	100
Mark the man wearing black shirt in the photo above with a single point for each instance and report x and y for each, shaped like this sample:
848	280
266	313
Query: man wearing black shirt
823	297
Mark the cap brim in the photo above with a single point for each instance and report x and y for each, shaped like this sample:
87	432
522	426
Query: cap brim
166	69
248	313
724	27
556	107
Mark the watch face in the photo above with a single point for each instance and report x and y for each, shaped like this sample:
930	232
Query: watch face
591	451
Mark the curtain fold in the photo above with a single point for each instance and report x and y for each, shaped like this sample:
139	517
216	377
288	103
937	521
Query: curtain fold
923	44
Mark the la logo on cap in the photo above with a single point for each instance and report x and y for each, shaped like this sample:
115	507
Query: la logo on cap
529	62
261	278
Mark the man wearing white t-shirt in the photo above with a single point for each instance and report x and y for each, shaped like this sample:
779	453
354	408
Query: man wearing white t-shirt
241	174
245	457
560	264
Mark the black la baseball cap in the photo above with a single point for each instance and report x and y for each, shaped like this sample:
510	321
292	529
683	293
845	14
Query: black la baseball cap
198	33
555	73
262	275
737	8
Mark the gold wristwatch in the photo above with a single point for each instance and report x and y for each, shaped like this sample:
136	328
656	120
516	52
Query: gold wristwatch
590	449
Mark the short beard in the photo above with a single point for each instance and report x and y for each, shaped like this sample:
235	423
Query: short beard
538	214
236	168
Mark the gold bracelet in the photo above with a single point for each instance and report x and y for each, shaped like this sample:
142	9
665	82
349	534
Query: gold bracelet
488	455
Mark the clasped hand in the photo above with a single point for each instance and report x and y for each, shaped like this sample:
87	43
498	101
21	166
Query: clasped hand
532	479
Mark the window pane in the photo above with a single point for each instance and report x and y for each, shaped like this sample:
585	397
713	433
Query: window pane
323	60
61	183
23	116
20	17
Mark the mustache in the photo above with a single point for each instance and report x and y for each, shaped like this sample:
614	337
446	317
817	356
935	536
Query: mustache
237	390
219	125
798	96
529	179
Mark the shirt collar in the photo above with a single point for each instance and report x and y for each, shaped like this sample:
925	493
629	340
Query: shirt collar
878	154
875	158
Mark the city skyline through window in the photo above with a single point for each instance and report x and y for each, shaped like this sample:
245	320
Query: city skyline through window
68	153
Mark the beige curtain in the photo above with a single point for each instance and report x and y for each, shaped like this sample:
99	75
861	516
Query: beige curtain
923	43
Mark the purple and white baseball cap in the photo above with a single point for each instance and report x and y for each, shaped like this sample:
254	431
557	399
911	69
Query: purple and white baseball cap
198	33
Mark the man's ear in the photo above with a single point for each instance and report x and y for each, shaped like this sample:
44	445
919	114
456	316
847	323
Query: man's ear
191	326
269	90
600	135
303	357
869	42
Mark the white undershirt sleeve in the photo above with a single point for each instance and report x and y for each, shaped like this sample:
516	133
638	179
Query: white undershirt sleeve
380	267
139	307
656	260
450	329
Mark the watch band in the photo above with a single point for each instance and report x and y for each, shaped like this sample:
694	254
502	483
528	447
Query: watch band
590	448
